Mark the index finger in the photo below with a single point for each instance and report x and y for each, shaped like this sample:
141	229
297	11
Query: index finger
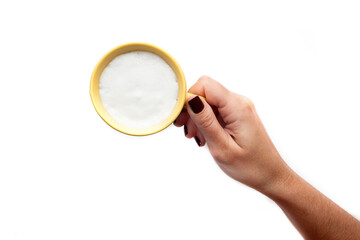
215	93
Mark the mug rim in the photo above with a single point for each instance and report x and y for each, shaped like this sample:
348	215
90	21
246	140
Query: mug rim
100	109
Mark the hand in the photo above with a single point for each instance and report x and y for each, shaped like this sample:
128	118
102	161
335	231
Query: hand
238	142
236	138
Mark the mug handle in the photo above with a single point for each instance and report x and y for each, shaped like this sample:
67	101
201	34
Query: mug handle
189	95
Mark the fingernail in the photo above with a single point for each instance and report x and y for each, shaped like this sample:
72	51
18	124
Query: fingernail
196	105
185	130
197	141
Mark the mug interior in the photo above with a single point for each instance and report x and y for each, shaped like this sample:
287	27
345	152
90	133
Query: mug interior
105	60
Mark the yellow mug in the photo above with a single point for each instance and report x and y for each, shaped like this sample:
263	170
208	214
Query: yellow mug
129	47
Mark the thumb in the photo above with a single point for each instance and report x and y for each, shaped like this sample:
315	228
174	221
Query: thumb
205	120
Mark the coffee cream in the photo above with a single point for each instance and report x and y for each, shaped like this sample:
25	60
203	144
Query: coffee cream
138	89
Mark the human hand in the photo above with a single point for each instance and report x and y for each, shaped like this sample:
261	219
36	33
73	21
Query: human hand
235	135
238	142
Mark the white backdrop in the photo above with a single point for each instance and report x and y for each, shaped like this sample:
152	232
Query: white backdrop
65	174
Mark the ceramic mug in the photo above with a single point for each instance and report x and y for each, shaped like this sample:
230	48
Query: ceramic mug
129	47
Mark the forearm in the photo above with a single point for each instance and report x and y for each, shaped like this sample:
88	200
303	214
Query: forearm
314	215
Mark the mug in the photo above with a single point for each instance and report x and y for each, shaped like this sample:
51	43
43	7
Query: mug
129	47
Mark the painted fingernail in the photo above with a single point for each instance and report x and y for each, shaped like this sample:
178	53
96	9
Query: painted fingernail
197	141
185	130
196	105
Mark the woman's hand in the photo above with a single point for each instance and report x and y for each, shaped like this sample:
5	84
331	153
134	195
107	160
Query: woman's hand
236	138
240	145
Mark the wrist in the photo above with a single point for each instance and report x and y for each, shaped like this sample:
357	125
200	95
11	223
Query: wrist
280	182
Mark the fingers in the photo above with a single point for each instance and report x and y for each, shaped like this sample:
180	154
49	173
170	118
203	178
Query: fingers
199	139
190	129
202	123
206	122
215	93
182	118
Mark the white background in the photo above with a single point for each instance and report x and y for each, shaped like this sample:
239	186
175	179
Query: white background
65	174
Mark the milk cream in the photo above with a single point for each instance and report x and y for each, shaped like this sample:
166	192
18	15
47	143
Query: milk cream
138	89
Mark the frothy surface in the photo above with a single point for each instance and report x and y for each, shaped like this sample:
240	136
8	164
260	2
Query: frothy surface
138	89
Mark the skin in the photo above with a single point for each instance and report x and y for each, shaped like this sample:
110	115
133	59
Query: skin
238	142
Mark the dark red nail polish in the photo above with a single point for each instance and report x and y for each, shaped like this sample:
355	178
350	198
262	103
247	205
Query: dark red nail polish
197	141
185	130
196	105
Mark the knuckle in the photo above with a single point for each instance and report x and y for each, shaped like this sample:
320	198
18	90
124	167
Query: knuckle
245	103
204	78
206	120
248	103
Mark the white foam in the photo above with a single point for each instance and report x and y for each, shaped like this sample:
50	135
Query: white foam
138	89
